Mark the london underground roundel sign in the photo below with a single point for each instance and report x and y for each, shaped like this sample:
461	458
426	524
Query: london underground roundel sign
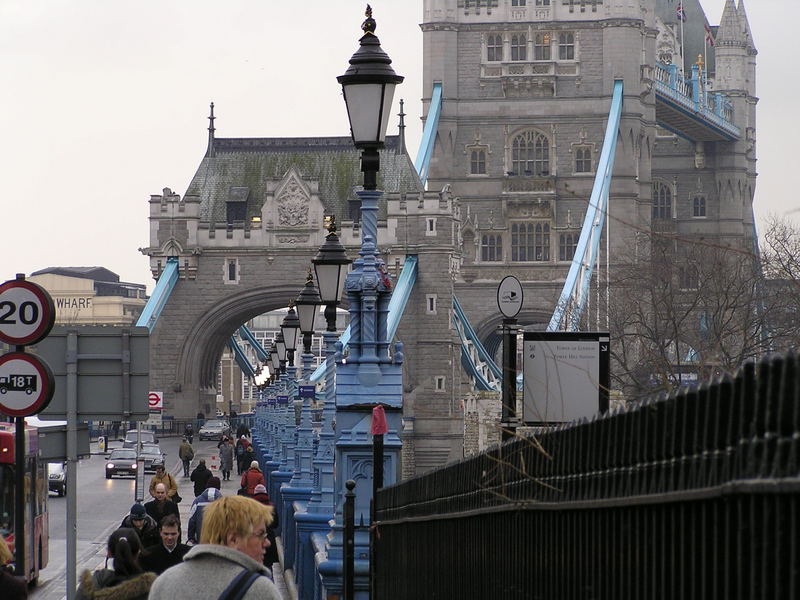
27	312
26	384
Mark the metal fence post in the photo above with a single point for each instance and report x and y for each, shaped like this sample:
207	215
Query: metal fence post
349	541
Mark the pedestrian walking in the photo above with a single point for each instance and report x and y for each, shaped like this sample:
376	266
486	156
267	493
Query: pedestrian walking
233	544
168	480
160	507
271	553
242	430
200	477
251	478
13	587
169	552
188	432
127	581
226	459
241	449
209	495
143	524
186	454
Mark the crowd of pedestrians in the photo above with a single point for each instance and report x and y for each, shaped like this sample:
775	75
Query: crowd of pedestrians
230	541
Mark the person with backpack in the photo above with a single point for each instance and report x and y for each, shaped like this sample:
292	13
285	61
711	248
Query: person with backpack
251	478
230	555
186	454
241	449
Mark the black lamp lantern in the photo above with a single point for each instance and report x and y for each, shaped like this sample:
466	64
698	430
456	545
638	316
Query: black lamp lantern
280	346
330	266
368	87
273	357
307	304
290	328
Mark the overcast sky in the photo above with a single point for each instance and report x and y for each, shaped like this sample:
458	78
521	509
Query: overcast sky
104	102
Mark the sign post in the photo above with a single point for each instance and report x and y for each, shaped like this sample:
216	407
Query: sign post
509	301
27	315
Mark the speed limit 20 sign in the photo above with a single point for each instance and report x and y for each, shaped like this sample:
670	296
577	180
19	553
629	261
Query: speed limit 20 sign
27	312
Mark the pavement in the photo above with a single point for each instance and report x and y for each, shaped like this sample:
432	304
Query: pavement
95	557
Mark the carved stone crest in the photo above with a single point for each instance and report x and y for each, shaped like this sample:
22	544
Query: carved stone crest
293	205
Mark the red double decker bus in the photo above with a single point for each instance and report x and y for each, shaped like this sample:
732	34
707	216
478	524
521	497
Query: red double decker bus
35	497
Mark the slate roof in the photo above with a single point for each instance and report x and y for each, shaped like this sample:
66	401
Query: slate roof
240	168
93	273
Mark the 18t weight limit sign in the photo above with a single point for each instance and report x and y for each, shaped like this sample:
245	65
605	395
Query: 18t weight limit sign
27	312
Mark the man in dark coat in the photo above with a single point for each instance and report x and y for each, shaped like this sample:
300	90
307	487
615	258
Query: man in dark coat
169	552
161	507
200	476
143	524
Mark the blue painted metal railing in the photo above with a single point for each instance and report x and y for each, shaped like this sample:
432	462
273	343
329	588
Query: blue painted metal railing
158	299
428	141
397	306
572	301
247	335
241	358
482	370
693	97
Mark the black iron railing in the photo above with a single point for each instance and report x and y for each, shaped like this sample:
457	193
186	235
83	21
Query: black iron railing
695	495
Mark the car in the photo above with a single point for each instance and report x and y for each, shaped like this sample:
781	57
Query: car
153	457
57	478
214	429
147	437
121	461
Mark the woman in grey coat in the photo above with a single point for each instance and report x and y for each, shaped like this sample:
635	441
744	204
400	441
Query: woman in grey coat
226	459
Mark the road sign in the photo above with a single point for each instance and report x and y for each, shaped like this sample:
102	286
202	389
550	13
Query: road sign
155	401
26	384
509	296
307	391
112	366
27	312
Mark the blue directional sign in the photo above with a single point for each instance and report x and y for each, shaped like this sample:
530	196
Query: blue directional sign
307	391
283	399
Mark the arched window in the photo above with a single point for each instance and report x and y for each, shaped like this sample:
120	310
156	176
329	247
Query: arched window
566	46
530	242
541	46
583	160
494	48
477	162
567	243
492	248
662	201
519	47
530	154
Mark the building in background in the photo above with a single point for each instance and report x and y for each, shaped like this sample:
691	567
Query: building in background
91	295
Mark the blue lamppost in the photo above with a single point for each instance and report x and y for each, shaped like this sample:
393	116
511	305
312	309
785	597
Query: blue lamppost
370	375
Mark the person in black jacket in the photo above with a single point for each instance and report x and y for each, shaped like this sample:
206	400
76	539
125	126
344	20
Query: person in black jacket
200	476
143	524
161	506
169	552
13	587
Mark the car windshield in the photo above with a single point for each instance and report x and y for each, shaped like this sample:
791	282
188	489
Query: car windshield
214	424
147	436
118	454
151	450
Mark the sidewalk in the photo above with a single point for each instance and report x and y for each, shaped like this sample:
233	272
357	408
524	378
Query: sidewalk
229	488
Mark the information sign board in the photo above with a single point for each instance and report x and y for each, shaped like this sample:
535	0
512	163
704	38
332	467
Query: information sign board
307	391
283	399
565	374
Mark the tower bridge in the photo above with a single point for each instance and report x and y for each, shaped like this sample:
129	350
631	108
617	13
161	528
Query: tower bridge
518	100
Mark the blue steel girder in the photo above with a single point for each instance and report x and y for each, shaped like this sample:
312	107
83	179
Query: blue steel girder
571	303
247	335
158	299
241	358
428	141
690	110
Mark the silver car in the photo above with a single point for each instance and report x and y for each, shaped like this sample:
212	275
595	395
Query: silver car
214	429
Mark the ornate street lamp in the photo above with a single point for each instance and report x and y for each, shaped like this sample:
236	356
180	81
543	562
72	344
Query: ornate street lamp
308	303
273	357
290	328
330	266
368	87
280	346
